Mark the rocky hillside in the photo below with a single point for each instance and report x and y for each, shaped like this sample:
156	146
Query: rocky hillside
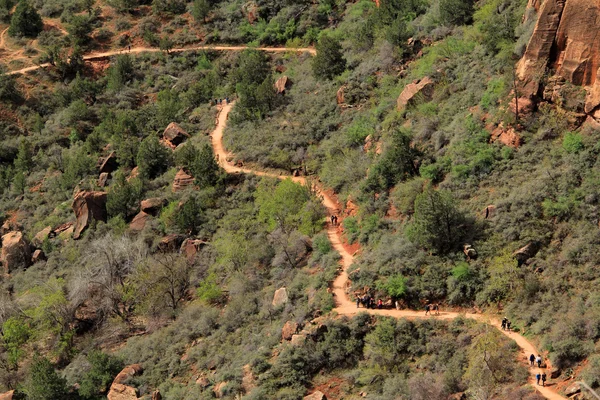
169	171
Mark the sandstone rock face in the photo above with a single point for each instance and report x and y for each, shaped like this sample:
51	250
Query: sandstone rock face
248	380
119	390
88	206
537	55
298	340
153	206
182	181
565	39
526	106
156	395
340	96
103	179
16	252
108	164
289	329
7	395
490	211
218	389
424	87
139	221
316	396
280	297
174	135
282	84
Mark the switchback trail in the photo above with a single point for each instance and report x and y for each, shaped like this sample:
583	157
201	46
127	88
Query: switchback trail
137	50
344	306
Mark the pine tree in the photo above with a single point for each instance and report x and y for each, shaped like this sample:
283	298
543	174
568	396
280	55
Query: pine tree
25	21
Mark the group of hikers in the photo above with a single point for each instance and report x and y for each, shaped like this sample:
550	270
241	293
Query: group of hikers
368	301
334	220
432	309
505	324
219	102
533	360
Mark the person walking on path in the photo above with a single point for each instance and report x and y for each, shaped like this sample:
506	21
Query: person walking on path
436	308
531	359
379	304
538	376
539	361
543	379
427	308
508	325
358	305
333	220
504	320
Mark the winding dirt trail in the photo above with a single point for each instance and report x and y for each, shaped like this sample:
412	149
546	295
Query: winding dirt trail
345	306
137	50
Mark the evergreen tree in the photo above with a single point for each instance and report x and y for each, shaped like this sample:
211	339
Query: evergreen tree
153	158
25	21
200	10
438	223
205	168
329	61
456	12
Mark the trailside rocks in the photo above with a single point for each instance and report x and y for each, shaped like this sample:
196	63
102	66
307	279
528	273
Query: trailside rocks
289	329
318	395
424	87
88	207
153	205
16	252
526	252
7	395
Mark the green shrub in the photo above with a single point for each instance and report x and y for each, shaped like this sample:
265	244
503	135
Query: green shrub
209	291
153	159
572	142
97	380
456	12
43	382
124	196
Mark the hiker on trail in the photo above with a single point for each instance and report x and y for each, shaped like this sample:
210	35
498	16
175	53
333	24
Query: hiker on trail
436	308
427	308
333	220
507	325
538	360
379	304
129	48
358	303
504	321
372	303
543	379
531	359
538	377
397	303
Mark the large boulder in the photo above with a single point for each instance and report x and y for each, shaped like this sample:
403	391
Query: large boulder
526	252
139	221
282	84
507	136
153	206
280	297
119	390
174	135
171	243
317	395
88	207
341	95
16	251
573	389
108	164
182	181
191	247
423	88
38	256
289	329
41	236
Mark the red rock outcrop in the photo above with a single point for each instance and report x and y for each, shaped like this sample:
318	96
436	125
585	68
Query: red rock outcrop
315	396
423	87
182	181
289	329
16	252
41	236
119	390
153	206
564	39
508	137
282	84
191	247
174	135
139	221
171	243
340	95
108	164
88	206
